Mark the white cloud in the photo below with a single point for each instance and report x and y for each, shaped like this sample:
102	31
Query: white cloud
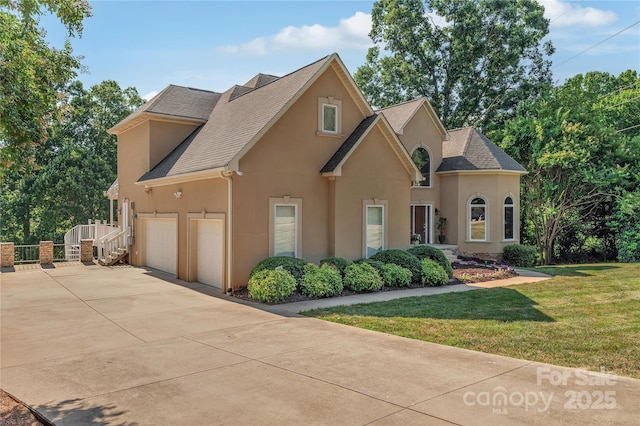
350	33
565	14
149	95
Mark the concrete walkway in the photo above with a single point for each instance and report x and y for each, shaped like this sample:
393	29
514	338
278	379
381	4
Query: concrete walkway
91	345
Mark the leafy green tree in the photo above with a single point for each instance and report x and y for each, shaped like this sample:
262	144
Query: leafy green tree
474	66
33	75
626	223
76	164
580	162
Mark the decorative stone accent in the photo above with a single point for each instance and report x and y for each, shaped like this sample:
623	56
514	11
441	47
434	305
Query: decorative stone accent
6	255
46	252
86	250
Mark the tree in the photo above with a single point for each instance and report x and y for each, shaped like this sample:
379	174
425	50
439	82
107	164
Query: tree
579	161
32	75
77	163
474	67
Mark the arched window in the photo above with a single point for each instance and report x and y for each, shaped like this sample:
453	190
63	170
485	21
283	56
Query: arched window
509	219
478	219
422	160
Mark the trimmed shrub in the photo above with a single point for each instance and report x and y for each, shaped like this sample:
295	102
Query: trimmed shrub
395	276
294	265
424	251
271	285
338	262
323	281
400	258
433	274
376	264
362	277
520	255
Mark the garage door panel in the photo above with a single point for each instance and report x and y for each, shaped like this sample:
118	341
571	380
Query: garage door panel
161	244
210	252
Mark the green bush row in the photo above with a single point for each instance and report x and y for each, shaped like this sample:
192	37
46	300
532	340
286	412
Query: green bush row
270	280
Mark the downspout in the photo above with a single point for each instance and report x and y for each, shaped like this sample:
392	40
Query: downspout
226	175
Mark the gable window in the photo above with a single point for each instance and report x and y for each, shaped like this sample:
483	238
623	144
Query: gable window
285	238
478	220
422	160
509	224
329	116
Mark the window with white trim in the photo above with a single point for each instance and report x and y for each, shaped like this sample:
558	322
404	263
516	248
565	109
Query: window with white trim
329	116
509	219
374	229
477	219
285	225
422	160
284	231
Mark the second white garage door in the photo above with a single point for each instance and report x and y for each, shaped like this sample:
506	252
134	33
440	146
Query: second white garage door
210	251
161	244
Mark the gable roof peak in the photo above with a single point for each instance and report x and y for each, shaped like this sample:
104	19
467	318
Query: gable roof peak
401	114
260	80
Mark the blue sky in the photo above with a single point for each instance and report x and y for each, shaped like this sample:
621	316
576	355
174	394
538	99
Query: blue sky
215	44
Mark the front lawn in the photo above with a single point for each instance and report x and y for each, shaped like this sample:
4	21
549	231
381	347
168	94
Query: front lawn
587	316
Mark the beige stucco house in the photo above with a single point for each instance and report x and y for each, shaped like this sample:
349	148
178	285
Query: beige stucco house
301	165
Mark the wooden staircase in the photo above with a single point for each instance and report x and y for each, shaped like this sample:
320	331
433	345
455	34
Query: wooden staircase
113	257
113	247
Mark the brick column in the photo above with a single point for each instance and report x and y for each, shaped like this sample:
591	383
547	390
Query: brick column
6	255
46	252
86	250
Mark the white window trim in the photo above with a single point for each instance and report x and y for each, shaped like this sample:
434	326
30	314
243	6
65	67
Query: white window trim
486	220
331	102
286	201
374	203
430	186
504	217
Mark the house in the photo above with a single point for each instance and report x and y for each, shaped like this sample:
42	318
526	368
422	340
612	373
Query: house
301	165
467	179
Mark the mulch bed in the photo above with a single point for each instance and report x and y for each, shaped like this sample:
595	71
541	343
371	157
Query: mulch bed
14	413
462	273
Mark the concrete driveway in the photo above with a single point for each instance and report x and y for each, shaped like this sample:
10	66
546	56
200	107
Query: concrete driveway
87	345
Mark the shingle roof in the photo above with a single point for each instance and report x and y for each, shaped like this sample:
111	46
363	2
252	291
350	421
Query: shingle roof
398	115
182	101
235	122
348	144
470	150
260	80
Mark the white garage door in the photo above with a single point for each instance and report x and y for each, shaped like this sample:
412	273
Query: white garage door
161	244
210	252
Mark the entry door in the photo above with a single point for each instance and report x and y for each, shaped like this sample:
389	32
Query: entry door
210	252
421	222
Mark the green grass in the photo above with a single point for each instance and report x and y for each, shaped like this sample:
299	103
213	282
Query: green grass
587	316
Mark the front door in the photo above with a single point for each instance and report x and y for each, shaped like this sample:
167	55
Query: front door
421	222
